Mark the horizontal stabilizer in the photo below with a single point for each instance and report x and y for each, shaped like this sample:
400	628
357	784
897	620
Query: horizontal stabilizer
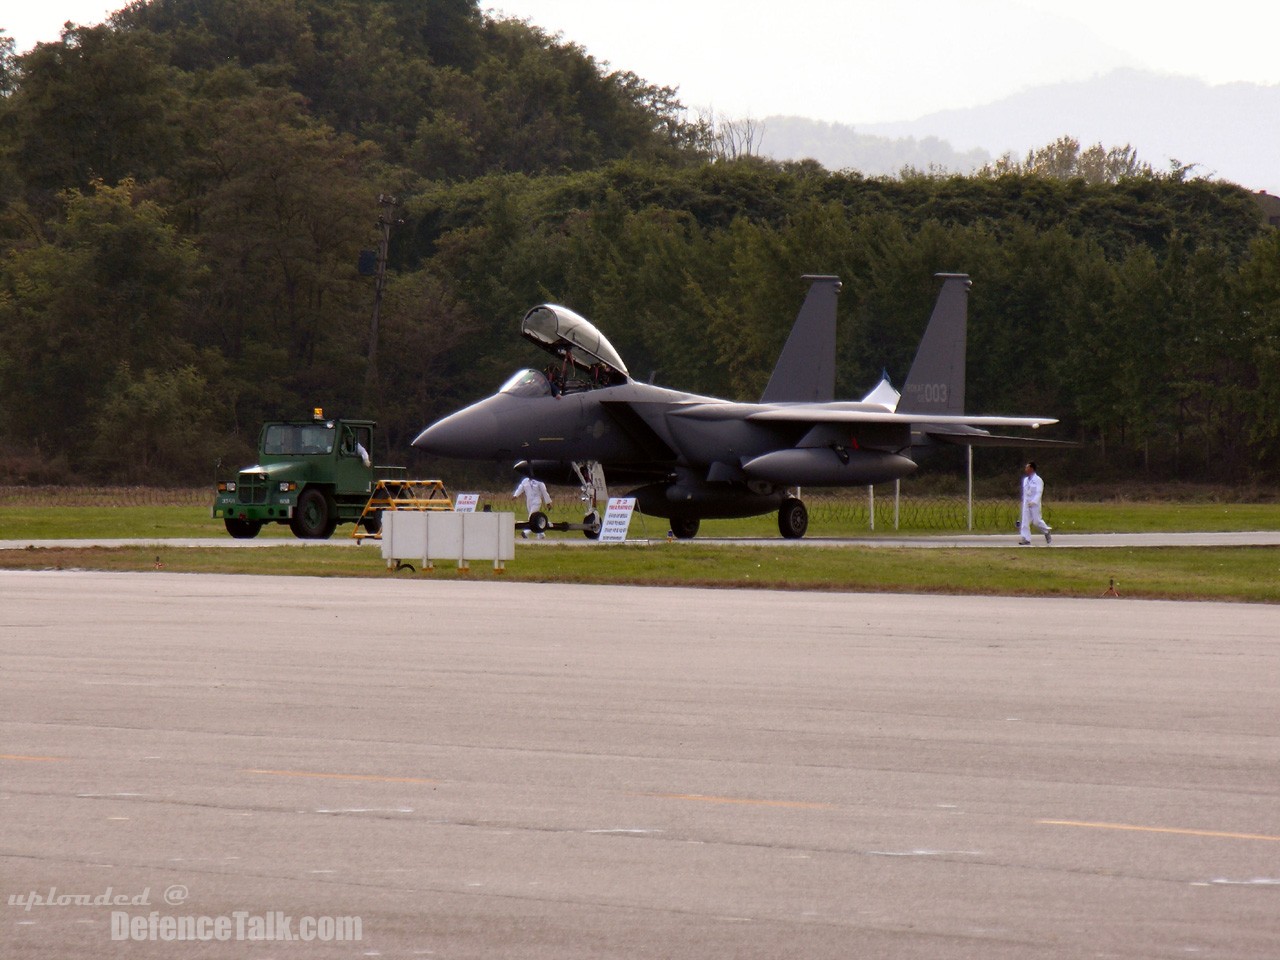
983	439
833	413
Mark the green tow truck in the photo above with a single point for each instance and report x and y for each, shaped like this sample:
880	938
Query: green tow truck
311	474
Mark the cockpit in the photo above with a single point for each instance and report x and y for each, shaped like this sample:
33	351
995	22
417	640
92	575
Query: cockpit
584	358
527	383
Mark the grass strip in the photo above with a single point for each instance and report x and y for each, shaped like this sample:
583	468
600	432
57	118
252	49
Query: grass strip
827	519
1249	574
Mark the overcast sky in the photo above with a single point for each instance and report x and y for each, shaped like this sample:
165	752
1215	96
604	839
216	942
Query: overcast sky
862	61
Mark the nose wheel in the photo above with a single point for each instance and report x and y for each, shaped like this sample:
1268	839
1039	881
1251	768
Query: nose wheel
595	494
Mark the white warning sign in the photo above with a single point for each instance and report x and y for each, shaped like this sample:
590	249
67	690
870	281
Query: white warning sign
617	519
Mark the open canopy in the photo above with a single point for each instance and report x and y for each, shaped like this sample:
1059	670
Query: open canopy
559	330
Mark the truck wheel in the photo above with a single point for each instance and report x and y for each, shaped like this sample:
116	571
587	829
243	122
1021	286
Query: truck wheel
684	528
793	519
314	518
372	524
243	529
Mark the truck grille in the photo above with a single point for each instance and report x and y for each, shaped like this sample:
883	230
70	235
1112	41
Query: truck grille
251	490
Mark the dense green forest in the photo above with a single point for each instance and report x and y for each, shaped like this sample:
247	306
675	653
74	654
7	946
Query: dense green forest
186	189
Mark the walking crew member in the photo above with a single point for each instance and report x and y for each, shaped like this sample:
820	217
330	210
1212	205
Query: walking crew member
1032	494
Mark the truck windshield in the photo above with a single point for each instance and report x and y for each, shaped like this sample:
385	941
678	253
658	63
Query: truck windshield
294	439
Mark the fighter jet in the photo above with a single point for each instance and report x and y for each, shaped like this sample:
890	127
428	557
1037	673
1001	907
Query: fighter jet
697	457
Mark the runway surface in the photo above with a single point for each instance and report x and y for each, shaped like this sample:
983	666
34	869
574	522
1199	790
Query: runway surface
1248	538
481	770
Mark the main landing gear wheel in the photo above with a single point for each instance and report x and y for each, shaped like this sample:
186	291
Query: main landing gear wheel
243	529
314	518
793	519
684	529
592	524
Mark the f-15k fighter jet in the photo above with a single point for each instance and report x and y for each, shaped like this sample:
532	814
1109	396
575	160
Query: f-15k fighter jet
696	457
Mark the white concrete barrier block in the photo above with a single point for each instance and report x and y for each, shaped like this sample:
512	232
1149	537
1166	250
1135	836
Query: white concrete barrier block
404	535
444	535
485	534
507	537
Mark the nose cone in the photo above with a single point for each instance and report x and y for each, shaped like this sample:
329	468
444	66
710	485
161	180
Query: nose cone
469	434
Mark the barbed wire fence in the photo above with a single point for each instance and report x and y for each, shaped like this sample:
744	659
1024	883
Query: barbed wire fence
912	512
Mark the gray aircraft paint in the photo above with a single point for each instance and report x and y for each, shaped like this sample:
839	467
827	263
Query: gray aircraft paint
935	383
806	368
702	457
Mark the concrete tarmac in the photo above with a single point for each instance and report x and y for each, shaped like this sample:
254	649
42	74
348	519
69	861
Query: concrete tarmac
481	770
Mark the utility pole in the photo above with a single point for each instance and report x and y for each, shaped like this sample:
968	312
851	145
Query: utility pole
385	221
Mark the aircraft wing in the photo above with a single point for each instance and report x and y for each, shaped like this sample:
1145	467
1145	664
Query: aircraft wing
815	413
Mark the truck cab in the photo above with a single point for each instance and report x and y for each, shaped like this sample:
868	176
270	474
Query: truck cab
311	474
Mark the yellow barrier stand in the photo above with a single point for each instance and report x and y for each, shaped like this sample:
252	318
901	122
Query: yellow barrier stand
401	495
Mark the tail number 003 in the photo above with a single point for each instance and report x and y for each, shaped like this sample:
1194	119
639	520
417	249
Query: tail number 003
932	392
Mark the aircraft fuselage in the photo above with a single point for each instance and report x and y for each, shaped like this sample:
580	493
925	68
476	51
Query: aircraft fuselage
706	455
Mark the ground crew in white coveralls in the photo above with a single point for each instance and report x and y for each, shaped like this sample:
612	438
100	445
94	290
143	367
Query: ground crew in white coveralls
535	495
1032	493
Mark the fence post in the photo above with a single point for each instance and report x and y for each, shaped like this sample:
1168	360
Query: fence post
897	498
969	448
871	506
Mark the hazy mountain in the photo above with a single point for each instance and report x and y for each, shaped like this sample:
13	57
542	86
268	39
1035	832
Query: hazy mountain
838	146
1228	130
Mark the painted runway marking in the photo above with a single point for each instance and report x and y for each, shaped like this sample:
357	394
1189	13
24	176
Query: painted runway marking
340	776
1174	830
747	801
18	756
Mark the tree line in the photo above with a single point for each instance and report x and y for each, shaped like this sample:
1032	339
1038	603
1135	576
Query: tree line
185	191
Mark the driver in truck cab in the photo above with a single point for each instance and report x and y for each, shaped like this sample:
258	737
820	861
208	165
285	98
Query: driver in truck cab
352	446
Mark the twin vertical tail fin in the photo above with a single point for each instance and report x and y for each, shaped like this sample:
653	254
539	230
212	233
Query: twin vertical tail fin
935	383
806	369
